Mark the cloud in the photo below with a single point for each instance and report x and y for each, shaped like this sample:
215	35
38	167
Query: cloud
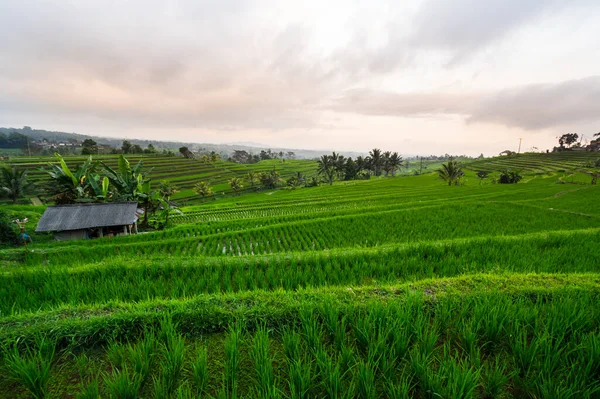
539	106
376	103
529	107
463	27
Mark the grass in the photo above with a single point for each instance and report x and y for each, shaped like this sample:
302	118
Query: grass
392	287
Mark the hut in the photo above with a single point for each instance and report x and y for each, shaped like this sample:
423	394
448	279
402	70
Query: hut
85	221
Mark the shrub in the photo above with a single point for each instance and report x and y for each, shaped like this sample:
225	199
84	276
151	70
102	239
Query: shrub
509	177
8	230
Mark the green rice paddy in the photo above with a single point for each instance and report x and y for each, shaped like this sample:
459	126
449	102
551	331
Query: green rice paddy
386	288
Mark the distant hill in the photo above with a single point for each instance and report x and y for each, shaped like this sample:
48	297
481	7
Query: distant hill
223	149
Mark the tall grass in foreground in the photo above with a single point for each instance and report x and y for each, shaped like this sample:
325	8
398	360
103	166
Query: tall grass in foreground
172	349
232	361
31	368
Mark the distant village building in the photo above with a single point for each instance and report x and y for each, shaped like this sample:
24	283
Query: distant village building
85	221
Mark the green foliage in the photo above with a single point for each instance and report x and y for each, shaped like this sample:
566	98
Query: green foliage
509	177
8	229
379	288
203	189
451	172
13	182
31	368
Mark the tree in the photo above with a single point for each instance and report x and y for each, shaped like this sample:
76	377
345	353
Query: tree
214	157
186	152
89	147
241	156
451	173
252	177
8	230
13	182
392	163
568	139
203	189
136	149
150	149
327	167
376	158
236	184
350	169
126	147
482	175
270	179
166	190
509	177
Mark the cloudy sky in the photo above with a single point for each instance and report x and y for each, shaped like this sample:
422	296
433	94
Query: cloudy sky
418	77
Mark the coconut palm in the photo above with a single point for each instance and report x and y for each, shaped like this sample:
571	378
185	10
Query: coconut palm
394	162
252	178
13	182
203	189
327	167
376	160
236	184
451	173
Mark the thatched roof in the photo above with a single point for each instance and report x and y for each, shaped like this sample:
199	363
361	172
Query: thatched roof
86	216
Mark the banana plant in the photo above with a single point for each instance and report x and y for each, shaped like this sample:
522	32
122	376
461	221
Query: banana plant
70	186
129	183
99	187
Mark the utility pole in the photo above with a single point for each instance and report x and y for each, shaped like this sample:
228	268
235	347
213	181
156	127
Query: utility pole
520	140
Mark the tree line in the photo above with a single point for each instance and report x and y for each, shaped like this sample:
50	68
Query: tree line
336	166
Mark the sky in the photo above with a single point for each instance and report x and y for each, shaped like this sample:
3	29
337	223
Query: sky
417	77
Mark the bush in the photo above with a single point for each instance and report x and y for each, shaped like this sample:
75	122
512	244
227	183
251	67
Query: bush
8	230
509	177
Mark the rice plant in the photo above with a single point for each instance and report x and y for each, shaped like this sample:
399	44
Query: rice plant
232	360
265	378
31	368
123	383
200	370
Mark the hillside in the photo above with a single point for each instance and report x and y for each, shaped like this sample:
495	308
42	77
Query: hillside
181	171
536	162
223	149
397	287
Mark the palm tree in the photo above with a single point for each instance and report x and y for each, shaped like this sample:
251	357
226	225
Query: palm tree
385	162
394	162
236	184
166	190
326	167
203	189
252	177
13	182
376	160
451	173
270	179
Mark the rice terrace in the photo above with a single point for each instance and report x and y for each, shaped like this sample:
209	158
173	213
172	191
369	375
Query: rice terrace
240	199
392	287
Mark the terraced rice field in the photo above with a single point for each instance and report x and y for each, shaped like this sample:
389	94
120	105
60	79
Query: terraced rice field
185	173
536	163
391	288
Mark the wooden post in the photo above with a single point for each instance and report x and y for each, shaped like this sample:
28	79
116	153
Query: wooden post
125	229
